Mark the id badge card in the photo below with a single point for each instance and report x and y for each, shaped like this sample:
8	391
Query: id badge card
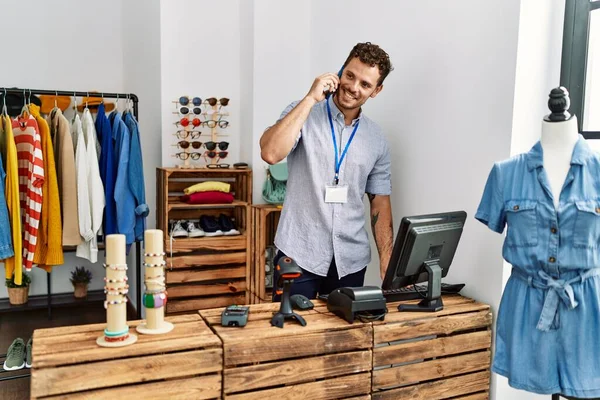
336	194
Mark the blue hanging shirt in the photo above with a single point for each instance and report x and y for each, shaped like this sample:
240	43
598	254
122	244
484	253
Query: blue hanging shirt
6	245
136	177
548	322
107	170
123	196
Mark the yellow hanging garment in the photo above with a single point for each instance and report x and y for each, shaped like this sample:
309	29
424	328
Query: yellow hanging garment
49	249
13	264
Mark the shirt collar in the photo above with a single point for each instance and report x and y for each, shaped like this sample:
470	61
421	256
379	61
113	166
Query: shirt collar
338	115
581	153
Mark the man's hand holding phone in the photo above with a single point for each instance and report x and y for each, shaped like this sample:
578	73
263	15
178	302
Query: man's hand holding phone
324	84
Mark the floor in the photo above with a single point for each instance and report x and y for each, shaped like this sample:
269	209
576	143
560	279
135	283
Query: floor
22	324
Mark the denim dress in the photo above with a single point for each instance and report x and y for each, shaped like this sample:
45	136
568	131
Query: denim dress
548	325
6	245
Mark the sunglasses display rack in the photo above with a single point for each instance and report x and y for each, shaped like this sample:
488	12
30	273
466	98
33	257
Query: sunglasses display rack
193	116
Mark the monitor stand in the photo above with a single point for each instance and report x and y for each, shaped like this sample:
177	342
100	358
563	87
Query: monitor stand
433	301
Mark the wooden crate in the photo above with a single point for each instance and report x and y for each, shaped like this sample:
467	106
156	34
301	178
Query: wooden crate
265	218
327	359
432	356
205	272
182	364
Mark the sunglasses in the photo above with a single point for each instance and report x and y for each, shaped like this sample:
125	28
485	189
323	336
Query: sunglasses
212	123
213	154
213	101
184	110
186	122
185	156
213	145
215	166
184	144
182	134
185	100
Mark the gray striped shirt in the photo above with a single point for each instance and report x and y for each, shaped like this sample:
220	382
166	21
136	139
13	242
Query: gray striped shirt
311	231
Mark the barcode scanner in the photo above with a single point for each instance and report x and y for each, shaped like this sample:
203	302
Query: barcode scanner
288	271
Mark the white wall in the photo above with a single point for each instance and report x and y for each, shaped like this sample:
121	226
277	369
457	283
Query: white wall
200	56
282	56
65	45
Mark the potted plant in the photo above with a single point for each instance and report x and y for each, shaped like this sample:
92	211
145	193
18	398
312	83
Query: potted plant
80	278
18	294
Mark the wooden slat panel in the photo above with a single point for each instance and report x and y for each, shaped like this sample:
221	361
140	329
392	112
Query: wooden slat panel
186	276
346	386
200	260
453	304
200	303
75	378
365	397
204	290
295	371
442	389
253	349
199	387
224	243
52	350
476	396
432	326
405	352
429	370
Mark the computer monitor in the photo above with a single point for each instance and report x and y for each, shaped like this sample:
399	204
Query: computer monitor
423	251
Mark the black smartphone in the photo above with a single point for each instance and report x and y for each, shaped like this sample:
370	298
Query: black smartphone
328	93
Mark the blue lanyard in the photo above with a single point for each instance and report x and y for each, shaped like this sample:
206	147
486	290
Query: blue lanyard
338	163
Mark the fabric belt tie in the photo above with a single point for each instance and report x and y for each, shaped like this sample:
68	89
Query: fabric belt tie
142	210
557	289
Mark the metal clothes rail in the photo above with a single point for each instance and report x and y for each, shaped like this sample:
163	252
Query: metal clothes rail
104	95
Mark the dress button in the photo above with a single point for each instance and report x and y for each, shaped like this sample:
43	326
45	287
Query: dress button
598	210
552	259
515	208
553	230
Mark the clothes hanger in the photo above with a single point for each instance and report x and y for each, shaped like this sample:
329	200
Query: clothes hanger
25	109
4	109
86	101
75	106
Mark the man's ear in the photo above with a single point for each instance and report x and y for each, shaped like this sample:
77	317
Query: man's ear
376	91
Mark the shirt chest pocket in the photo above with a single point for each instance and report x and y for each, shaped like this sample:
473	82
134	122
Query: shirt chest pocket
586	231
521	218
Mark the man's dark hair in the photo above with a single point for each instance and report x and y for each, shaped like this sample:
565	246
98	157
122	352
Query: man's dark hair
372	55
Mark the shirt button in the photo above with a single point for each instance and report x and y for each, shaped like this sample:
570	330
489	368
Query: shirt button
515	208
552	259
553	230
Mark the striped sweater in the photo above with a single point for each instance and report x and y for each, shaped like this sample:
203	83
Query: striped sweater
31	179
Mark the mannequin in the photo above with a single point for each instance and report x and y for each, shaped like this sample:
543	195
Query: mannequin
559	136
547	202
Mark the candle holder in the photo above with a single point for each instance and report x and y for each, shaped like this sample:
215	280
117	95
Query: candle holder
116	333
155	296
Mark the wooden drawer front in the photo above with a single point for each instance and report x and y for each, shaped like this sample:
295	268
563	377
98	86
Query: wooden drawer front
433	355
68	362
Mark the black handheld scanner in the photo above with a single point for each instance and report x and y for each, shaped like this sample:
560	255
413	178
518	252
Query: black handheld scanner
288	271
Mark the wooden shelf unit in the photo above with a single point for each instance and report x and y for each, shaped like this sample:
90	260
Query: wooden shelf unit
265	218
205	272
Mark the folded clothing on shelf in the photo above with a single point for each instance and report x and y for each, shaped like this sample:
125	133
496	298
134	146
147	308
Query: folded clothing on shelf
212	197
208	186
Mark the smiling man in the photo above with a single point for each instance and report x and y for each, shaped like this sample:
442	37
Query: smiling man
335	155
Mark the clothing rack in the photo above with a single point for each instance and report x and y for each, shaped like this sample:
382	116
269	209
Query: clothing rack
103	95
